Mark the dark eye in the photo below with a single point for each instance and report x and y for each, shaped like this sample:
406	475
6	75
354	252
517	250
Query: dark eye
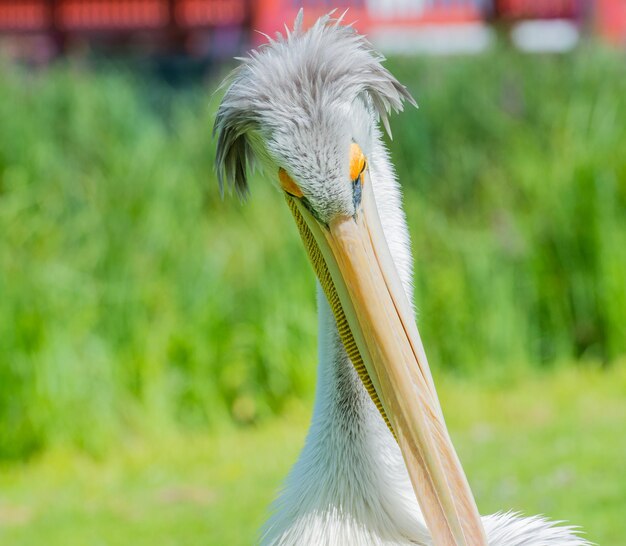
357	187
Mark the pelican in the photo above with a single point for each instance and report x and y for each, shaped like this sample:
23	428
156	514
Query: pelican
378	466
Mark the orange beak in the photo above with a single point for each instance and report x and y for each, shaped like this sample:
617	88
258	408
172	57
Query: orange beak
360	273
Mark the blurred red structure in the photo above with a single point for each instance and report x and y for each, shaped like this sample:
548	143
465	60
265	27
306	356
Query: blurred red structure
169	25
438	26
611	20
514	10
180	25
270	15
101	15
25	15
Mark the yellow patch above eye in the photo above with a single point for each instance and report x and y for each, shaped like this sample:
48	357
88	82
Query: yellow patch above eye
287	183
357	162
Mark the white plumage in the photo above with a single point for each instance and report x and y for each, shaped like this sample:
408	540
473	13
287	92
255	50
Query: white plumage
296	103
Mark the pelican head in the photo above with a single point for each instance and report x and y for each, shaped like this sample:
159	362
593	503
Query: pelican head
299	104
305	108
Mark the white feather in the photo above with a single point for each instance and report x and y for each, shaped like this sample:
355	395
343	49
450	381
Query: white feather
297	103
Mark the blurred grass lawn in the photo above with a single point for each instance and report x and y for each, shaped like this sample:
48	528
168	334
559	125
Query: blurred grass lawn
133	298
550	444
141	316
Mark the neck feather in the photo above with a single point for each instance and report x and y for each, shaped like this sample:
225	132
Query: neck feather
350	475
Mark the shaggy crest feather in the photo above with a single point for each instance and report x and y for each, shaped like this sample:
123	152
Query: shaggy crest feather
290	77
297	103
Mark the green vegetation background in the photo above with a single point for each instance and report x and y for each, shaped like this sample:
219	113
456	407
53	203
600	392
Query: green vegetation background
135	303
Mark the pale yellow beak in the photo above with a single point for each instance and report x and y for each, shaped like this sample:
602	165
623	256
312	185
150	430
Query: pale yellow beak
381	322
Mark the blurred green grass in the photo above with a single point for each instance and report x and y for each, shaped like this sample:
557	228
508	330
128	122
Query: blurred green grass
547	443
134	301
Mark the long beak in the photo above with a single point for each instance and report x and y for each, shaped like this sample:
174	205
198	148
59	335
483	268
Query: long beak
376	323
